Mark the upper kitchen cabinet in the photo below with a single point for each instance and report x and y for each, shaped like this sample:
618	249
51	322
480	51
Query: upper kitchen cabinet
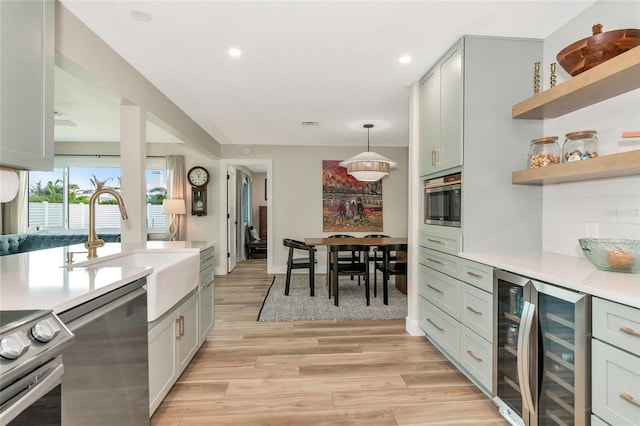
465	105
27	49
441	114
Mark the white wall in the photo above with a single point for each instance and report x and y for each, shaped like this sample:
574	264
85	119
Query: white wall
296	193
605	207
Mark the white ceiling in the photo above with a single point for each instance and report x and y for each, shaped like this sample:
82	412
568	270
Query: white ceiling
335	62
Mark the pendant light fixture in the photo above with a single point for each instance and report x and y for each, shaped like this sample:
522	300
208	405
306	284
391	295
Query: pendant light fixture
368	166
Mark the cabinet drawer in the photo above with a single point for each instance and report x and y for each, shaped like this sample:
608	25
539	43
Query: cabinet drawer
615	389
476	357
477	274
446	242
206	276
617	324
440	327
476	311
597	421
441	290
441	262
206	258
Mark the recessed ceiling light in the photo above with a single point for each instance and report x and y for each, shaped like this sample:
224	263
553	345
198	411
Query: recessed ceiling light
235	51
139	15
405	59
309	124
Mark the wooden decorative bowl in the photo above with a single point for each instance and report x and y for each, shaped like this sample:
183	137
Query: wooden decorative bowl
600	47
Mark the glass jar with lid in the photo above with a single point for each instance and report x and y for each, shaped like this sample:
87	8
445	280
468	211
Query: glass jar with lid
580	145
544	151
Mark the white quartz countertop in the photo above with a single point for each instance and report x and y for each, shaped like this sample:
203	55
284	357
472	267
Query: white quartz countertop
570	272
40	280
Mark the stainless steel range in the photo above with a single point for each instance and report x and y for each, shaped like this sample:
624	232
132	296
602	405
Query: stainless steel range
31	343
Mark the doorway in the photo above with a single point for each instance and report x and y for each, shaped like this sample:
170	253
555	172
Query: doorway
246	185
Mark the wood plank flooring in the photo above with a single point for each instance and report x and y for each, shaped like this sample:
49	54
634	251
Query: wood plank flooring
315	372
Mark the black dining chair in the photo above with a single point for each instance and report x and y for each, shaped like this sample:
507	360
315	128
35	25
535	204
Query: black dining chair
390	267
347	257
375	256
357	267
306	262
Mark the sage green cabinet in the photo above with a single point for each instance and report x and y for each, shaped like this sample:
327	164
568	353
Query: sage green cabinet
441	112
27	49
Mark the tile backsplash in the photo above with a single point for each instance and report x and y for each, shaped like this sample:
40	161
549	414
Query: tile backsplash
605	208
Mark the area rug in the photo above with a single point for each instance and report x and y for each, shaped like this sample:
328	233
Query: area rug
299	306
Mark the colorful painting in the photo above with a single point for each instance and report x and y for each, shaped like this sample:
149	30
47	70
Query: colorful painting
349	205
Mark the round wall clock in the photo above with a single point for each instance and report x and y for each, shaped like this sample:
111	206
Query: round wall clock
198	176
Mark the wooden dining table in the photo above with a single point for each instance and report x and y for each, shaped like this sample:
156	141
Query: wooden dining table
401	280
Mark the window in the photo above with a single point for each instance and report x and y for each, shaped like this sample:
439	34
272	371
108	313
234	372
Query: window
59	199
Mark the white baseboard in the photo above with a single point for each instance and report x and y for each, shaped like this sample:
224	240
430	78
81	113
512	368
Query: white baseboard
413	328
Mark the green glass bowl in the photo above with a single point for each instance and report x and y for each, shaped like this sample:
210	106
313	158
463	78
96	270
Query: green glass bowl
612	254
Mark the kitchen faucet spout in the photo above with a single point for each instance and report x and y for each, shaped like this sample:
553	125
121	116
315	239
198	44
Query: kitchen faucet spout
93	242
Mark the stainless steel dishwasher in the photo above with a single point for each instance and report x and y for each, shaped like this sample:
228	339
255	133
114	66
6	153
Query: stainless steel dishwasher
106	377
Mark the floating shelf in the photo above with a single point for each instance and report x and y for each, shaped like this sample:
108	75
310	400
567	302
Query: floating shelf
607	166
607	80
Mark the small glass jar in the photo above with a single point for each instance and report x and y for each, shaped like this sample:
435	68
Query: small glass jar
580	145
544	152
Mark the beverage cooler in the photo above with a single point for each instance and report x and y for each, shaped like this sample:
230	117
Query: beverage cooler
542	352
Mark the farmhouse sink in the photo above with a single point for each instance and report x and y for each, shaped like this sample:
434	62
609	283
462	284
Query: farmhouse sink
174	275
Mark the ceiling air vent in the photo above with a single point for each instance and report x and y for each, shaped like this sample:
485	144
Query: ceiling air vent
309	124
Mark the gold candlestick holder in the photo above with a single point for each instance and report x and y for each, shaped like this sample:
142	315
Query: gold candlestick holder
553	75
536	78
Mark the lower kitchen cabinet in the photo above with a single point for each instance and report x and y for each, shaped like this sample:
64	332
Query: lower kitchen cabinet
206	310
476	356
456	312
441	328
173	341
615	363
206	296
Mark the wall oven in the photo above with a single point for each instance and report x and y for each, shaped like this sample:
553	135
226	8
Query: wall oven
31	343
443	200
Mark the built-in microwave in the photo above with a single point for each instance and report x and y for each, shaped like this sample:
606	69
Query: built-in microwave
443	200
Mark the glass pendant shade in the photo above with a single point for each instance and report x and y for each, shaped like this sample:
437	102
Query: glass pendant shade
368	166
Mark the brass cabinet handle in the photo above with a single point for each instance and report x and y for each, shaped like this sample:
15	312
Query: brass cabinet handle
474	275
433	157
437	151
181	325
434	324
179	335
435	289
435	261
473	310
629	398
630	331
435	241
472	355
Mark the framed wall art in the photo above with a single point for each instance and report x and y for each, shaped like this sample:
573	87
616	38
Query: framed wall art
349	205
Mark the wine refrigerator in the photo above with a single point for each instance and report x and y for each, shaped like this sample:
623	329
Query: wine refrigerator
542	356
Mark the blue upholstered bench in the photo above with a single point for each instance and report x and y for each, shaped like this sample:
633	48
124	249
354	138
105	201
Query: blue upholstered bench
21	243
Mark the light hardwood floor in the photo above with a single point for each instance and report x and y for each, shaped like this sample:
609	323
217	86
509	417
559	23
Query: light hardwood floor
315	372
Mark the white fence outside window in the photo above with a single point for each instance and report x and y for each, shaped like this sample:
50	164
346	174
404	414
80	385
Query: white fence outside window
50	215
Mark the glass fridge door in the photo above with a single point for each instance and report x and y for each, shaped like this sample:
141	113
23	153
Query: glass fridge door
509	295
563	356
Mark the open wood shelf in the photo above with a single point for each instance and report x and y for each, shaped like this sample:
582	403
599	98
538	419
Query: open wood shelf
607	80
614	165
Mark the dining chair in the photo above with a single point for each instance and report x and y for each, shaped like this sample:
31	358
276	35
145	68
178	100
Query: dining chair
347	257
375	256
353	268
390	267
307	262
